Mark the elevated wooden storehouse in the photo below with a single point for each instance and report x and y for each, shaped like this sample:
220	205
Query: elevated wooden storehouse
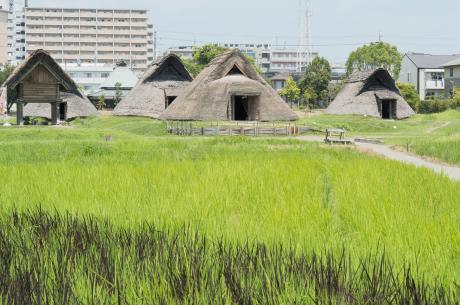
229	88
41	85
160	85
373	93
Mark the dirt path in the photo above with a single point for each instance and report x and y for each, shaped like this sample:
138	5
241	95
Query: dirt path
431	130
453	172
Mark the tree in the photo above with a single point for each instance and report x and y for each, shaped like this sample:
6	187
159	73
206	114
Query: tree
192	67
316	80
202	56
118	94
375	55
205	54
310	97
5	72
291	92
409	93
101	102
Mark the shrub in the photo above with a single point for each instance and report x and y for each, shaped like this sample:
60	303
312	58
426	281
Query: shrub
409	93
436	105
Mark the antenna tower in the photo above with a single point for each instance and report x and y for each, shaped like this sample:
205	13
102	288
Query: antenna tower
304	55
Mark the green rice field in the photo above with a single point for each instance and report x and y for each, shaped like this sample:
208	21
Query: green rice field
108	180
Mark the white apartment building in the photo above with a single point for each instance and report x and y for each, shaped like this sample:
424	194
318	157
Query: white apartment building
426	73
269	59
91	37
16	29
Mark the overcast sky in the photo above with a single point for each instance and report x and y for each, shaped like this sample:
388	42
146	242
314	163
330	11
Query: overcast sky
337	26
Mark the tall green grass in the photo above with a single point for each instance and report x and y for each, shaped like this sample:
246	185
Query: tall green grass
243	190
58	259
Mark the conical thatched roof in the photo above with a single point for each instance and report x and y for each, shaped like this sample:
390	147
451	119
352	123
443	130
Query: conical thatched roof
78	104
363	92
166	77
209	97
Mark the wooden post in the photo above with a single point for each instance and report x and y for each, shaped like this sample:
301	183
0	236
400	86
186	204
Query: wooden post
19	112
54	112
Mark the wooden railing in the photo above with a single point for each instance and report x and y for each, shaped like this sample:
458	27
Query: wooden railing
254	129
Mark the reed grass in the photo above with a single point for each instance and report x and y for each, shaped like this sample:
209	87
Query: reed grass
57	259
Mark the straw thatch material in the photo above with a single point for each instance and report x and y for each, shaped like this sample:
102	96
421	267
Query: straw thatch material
363	91
78	104
167	77
209	97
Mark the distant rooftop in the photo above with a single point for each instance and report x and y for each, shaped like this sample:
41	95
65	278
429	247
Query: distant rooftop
455	62
428	61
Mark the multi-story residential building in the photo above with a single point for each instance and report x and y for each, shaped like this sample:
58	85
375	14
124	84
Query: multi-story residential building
452	76
91	36
3	37
269	59
88	77
16	29
425	72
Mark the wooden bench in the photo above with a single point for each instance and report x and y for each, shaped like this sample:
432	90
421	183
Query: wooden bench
336	136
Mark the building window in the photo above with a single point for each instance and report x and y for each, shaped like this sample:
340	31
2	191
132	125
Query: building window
409	77
451	72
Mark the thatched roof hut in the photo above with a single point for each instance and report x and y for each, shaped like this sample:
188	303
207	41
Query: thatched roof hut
372	93
40	83
229	88
160	85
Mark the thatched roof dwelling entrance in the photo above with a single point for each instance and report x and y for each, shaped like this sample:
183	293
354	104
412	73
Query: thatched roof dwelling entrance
372	93
41	85
160	85
229	88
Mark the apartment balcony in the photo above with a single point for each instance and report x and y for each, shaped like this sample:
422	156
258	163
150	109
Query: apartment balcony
88	14
34	30
105	48
139	32
434	85
122	32
34	13
71	31
52	22
44	39
68	39
87	48
71	14
105	56
70	48
71	22
118	14
53	48
105	32
51	14
138	40
105	14
52	31
34	22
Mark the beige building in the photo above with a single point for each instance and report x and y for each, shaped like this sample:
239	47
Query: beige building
91	36
3	37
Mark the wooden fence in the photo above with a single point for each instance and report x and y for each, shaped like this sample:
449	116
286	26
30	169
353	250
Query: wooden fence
235	129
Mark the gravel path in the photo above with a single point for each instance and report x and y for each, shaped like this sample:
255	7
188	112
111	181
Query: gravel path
453	172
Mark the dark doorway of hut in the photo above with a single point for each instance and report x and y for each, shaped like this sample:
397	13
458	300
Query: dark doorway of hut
388	109
63	111
240	108
169	100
